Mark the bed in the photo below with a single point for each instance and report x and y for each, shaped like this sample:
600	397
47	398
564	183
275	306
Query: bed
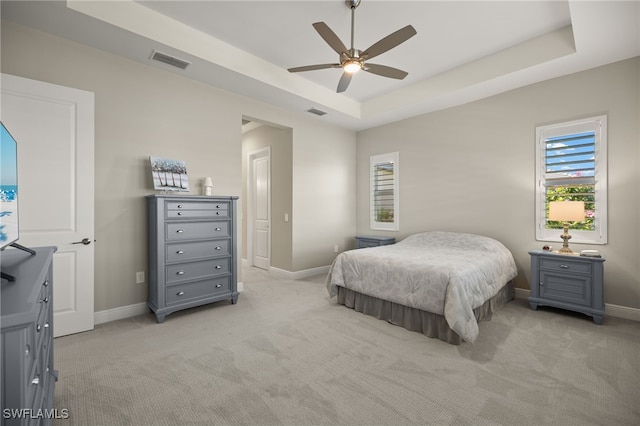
437	283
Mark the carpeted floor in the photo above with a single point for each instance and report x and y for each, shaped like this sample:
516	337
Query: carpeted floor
287	355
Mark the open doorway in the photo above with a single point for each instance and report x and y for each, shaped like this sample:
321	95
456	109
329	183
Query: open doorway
267	157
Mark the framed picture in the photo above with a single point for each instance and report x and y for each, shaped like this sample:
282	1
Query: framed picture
169	175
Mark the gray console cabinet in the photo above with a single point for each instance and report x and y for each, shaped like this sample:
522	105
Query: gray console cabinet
28	376
192	252
568	282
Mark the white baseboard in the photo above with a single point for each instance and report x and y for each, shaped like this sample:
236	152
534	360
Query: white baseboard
119	313
299	275
611	310
123	312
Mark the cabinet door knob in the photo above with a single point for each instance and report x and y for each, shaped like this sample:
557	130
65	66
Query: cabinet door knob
541	283
180	231
179	213
180	272
36	380
218	248
218	229
179	206
218	267
218	285
38	328
45	283
563	266
180	252
180	293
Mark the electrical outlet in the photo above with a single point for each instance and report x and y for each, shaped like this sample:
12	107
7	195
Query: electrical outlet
335	248
140	277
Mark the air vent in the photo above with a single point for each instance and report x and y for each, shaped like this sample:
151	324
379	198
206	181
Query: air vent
170	60
316	111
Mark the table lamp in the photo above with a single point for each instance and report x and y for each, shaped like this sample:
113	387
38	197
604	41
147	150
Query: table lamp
565	212
207	185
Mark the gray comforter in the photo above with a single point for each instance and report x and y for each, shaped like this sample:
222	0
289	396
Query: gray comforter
446	273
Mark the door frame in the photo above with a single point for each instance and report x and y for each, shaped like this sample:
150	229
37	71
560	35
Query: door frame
251	157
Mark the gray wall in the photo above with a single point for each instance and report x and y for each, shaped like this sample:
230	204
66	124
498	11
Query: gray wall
142	111
280	142
471	168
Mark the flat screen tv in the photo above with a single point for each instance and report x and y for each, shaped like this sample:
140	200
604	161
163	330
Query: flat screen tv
9	229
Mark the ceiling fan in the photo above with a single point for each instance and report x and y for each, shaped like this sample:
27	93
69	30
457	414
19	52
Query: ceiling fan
353	60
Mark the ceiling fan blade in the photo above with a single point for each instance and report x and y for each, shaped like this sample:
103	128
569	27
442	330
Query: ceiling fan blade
344	82
313	67
389	42
331	38
385	71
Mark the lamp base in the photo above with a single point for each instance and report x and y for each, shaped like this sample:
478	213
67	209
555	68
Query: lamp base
565	238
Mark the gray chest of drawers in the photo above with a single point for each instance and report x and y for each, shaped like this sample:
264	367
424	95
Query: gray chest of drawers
568	282
28	376
192	252
373	241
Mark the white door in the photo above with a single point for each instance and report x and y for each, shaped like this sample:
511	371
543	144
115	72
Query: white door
54	128
261	201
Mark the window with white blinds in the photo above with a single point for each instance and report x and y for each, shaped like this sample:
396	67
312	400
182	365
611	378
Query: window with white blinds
571	166
384	191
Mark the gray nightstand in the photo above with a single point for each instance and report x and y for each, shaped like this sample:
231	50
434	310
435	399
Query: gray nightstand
568	282
373	241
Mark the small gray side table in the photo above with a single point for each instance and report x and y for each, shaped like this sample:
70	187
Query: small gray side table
373	241
568	282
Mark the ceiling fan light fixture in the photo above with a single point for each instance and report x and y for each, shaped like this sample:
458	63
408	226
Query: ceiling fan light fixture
352	66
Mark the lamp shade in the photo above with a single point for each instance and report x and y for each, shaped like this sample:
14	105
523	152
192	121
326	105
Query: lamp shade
566	211
207	182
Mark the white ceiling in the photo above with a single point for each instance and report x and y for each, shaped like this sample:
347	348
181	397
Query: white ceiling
464	50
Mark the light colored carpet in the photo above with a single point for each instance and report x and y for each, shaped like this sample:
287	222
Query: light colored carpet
287	355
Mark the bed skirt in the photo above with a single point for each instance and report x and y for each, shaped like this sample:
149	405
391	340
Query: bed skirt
427	323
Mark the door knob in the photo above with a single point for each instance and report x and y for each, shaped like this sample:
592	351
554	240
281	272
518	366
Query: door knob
85	241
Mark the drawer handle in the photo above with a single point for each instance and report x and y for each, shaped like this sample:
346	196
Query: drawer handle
36	380
218	285
45	283
180	293
45	300
563	266
218	248
179	213
38	328
46	325
180	252
218	229
179	206
180	272
218	213
218	267
180	231
218	206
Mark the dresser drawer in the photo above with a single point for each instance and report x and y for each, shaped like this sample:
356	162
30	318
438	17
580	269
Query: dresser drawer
177	210
179	252
565	265
182	293
197	230
195	270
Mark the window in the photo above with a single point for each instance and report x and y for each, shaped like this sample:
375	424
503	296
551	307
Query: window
571	165
384	191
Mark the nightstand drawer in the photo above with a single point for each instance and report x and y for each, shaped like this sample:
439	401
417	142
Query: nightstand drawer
564	265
